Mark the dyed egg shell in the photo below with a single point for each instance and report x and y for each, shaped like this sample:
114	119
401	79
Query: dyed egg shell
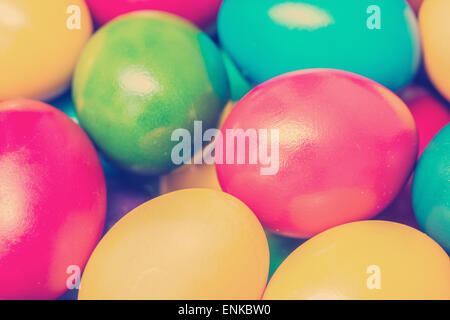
429	113
201	12
346	146
435	32
268	38
431	189
140	78
189	244
52	200
364	260
40	44
430	116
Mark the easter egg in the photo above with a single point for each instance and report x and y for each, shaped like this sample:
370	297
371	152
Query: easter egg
201	12
377	39
435	31
431	189
52	200
312	149
40	43
367	260
189	244
429	113
142	77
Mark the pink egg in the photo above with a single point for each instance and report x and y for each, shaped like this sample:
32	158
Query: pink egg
346	146
201	12
52	200
430	114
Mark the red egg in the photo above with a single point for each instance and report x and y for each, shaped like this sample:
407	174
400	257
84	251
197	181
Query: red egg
201	12
52	200
346	146
430	114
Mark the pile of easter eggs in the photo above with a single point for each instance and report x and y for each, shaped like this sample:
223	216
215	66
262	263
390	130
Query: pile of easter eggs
224	149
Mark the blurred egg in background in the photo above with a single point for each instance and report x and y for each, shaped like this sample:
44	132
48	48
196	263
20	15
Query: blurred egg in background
435	30
201	12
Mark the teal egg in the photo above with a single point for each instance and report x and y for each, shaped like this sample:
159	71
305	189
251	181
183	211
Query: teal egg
378	39
431	189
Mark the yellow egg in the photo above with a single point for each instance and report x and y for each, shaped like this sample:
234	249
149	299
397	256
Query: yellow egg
364	260
40	42
194	175
435	29
189	244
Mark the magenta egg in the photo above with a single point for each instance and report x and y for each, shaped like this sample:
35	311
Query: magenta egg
201	12
52	200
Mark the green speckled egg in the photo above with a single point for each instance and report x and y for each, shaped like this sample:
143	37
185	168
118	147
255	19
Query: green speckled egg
141	77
